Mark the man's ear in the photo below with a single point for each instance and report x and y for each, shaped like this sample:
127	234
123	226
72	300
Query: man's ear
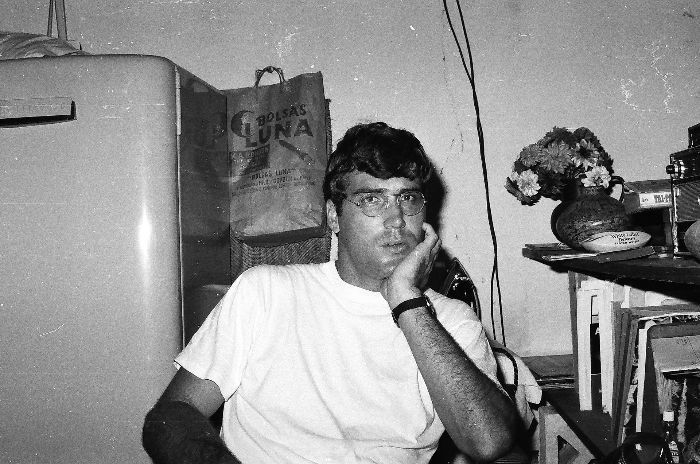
332	216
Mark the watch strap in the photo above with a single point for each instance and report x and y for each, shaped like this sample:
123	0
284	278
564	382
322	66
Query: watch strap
413	303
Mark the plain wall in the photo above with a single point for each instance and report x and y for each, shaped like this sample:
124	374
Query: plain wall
627	70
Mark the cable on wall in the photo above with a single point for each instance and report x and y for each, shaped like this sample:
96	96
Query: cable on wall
469	70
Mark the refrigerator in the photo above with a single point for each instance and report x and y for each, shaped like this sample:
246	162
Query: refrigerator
113	208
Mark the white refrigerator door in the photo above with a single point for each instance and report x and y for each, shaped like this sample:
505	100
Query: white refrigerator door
90	293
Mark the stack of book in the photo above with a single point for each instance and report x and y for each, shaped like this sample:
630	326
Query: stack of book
657	347
639	338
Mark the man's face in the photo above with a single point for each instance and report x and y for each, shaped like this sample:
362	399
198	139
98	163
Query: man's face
369	248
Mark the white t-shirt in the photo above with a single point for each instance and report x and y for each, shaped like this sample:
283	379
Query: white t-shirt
315	370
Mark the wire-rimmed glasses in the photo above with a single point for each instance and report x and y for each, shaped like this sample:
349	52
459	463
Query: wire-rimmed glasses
374	204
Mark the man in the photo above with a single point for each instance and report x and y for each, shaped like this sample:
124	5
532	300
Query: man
348	361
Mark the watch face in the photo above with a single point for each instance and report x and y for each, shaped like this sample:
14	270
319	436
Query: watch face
429	305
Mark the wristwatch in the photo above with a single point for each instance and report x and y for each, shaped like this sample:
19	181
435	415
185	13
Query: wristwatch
413	303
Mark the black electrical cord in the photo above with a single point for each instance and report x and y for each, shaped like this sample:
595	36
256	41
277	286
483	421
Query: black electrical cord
469	70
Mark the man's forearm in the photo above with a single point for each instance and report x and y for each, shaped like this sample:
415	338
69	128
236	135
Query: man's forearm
176	433
478	415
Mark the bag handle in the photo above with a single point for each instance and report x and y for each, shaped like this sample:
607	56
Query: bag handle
269	69
60	8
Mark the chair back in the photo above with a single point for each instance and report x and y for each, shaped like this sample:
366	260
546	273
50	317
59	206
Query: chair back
460	286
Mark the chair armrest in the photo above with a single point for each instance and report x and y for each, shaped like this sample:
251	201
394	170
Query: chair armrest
518	381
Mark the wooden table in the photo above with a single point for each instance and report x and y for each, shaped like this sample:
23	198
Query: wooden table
592	429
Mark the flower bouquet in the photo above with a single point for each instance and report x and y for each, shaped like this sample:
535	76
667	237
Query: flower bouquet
558	159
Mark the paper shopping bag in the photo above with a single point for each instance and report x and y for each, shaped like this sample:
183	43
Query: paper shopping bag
278	150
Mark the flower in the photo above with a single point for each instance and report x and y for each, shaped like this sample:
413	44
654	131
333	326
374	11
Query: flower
597	176
526	182
560	158
557	157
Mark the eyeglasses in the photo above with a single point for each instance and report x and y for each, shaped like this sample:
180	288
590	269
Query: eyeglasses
375	203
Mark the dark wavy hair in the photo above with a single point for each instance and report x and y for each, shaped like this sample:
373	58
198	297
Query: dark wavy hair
379	150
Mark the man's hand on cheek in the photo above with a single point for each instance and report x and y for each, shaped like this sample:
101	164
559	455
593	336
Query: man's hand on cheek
411	275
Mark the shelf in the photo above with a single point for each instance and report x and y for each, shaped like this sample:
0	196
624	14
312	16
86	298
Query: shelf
673	275
678	270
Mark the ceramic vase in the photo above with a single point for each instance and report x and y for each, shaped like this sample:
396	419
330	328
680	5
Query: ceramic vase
586	211
691	238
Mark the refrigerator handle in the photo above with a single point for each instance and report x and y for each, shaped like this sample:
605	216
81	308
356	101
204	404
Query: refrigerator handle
29	111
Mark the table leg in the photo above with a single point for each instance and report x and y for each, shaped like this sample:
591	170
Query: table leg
552	426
